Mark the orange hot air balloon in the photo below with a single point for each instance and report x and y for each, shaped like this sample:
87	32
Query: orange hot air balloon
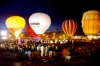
69	27
30	31
91	22
15	24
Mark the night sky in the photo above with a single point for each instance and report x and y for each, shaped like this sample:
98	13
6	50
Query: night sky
58	10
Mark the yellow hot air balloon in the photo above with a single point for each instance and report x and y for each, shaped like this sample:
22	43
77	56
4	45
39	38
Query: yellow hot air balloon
15	24
91	22
39	22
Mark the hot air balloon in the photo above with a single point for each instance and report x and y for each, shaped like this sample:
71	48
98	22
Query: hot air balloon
30	31
39	22
91	22
15	24
69	27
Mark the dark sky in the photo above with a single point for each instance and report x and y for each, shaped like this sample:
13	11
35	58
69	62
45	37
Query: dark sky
58	10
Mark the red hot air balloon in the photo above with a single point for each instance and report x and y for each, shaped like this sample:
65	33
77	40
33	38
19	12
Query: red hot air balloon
69	27
30	31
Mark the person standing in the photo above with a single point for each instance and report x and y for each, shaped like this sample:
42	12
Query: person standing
68	56
42	50
64	53
50	51
46	50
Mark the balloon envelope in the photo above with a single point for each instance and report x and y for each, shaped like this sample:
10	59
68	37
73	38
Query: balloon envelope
69	27
15	24
30	31
91	22
39	22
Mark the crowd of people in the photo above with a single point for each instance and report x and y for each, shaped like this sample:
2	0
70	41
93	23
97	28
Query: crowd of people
50	50
30	47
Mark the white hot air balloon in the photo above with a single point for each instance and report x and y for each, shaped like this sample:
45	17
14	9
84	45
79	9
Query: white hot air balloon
39	22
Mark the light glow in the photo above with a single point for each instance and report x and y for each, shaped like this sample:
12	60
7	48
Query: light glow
39	22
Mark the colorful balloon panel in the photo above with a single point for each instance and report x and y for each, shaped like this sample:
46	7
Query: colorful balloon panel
15	24
91	22
39	22
69	27
30	31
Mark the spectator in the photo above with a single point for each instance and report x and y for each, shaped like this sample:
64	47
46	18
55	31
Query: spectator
64	53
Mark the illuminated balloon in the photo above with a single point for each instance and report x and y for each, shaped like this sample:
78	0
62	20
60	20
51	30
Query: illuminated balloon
69	27
15	24
39	22
30	31
91	22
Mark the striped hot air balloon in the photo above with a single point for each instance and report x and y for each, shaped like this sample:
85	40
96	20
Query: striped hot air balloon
69	27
